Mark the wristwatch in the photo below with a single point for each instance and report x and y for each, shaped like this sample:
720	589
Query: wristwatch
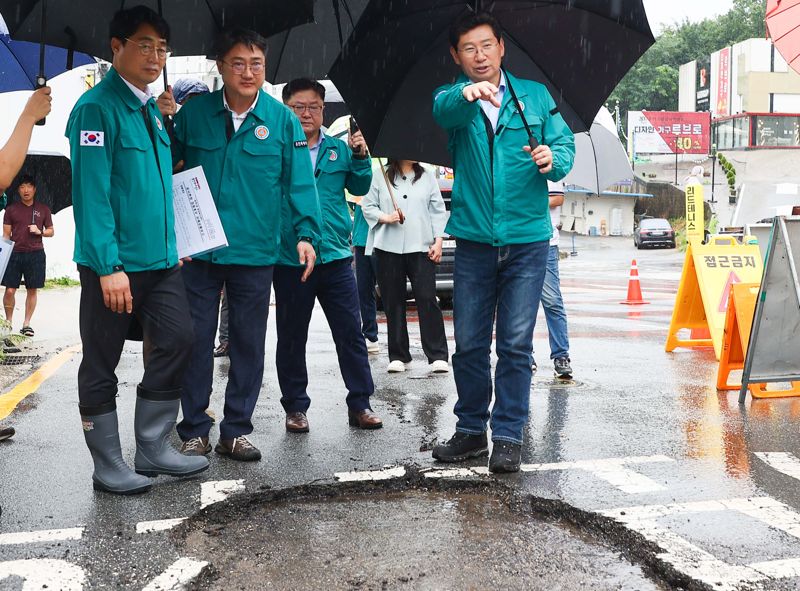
305	239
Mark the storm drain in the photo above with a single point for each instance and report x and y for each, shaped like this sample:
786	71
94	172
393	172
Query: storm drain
19	359
471	537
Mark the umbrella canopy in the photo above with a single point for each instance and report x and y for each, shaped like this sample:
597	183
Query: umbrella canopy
399	53
783	27
82	25
600	159
53	176
308	51
19	63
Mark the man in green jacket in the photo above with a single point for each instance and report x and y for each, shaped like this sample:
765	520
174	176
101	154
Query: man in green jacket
500	218
127	259
255	157
338	166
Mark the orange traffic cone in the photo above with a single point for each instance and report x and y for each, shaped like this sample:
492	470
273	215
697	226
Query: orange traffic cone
634	289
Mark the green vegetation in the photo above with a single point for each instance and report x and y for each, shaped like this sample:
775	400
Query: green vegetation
57	282
652	84
6	335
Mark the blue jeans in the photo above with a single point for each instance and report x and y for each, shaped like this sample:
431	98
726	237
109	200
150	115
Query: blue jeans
553	305
247	289
334	286
504	280
366	277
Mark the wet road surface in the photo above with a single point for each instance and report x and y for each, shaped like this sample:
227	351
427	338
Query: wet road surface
639	458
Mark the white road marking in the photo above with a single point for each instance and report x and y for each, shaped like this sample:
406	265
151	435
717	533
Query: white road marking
369	475
701	565
178	576
146	527
215	491
44	573
46	535
785	463
612	470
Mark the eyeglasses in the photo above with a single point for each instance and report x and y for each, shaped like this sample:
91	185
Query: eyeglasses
471	50
312	109
147	49
239	68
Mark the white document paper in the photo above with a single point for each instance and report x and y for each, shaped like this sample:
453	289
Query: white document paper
6	247
198	229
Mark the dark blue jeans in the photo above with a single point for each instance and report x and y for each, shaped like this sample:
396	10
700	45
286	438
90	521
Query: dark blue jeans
366	277
504	280
247	289
334	286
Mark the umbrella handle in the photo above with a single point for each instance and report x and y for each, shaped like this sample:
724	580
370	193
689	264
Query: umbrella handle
41	80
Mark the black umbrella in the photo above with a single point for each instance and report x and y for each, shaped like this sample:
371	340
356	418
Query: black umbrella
52	174
308	51
399	53
82	25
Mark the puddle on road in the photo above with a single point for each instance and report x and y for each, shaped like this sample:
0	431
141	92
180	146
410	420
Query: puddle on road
416	539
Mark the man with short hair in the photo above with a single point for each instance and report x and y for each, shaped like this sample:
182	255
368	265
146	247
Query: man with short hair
253	151
338	166
26	222
501	224
126	253
12	156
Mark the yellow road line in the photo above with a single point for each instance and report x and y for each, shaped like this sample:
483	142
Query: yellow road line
10	400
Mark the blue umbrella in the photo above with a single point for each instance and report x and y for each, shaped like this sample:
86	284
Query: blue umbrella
19	63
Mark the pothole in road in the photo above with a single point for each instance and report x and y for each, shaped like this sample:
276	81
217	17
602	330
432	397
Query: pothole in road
454	536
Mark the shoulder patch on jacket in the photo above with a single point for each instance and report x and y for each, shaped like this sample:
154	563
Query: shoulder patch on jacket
301	144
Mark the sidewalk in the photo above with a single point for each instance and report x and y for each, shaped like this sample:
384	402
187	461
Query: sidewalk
56	324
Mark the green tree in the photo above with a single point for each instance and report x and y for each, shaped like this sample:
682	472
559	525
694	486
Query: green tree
652	84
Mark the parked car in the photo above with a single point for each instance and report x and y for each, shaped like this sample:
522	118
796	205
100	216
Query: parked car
654	232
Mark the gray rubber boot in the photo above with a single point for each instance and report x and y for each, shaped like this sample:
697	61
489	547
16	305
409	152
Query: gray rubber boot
111	473
154	422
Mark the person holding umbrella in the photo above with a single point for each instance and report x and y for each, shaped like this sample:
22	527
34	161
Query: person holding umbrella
407	216
507	139
12	156
126	253
339	166
255	156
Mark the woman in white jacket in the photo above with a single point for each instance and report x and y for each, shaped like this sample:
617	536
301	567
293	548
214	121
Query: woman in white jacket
408	249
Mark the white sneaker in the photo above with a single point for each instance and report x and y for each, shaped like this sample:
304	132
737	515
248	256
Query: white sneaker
439	366
396	366
373	348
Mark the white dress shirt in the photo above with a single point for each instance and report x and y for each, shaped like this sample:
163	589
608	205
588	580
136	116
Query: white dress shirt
492	112
238	118
142	95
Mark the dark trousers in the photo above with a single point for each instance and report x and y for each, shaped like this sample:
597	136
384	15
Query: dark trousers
159	305
247	289
421	271
366	277
334	286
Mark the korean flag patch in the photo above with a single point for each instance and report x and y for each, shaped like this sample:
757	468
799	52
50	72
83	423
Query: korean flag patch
92	138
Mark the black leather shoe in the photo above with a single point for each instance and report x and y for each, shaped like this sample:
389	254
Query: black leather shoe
505	457
462	446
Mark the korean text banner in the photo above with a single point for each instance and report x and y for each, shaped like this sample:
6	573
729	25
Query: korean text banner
667	132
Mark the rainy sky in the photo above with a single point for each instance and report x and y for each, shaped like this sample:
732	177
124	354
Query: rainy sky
667	12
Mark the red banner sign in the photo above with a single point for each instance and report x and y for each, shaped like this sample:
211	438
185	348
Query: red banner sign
668	132
724	83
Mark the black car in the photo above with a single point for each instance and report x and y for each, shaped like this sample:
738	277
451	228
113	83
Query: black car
654	232
444	270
